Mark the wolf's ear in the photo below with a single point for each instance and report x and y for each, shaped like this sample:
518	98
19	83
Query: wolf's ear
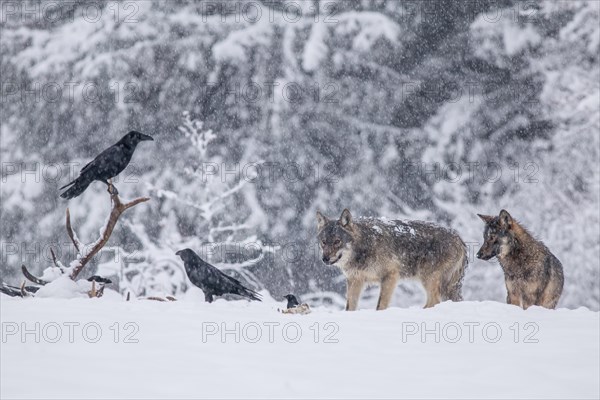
321	220
485	218
346	218
505	219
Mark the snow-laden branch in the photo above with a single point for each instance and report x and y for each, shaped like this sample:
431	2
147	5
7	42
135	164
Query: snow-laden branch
225	194
229	228
206	209
76	242
86	252
192	129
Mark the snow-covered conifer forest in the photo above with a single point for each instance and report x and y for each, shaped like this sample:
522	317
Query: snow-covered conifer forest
261	113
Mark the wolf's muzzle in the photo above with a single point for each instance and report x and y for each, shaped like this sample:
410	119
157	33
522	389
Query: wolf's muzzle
327	260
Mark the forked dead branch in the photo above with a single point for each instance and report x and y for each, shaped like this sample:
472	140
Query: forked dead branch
85	252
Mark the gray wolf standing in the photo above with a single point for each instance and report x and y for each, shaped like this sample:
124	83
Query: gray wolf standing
371	250
533	275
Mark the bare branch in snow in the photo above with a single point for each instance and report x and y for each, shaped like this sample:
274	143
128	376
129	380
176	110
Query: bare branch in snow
154	298
31	277
87	252
23	293
72	234
92	293
58	264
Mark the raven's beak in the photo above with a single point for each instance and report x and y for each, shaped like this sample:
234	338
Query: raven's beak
146	137
178	253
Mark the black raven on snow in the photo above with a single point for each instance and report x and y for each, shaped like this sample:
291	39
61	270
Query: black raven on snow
210	279
292	301
294	306
106	165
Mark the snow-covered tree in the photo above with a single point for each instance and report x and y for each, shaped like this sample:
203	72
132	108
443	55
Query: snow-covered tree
202	208
402	109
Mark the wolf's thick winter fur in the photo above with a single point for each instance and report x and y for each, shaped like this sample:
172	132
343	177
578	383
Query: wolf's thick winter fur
533	275
370	250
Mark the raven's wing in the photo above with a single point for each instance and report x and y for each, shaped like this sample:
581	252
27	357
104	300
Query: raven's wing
107	164
84	171
86	166
226	284
197	277
89	170
205	276
87	174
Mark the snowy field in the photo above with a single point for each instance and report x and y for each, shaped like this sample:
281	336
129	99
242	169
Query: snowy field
108	348
257	115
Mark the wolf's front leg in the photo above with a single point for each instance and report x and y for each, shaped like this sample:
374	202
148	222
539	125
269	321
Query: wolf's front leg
512	294
353	289
388	285
531	295
514	299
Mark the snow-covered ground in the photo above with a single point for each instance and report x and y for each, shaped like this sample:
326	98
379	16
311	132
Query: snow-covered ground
106	347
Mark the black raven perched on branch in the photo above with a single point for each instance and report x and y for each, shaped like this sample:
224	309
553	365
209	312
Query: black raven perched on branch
212	281
106	165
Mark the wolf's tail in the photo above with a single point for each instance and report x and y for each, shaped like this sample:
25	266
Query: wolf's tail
452	280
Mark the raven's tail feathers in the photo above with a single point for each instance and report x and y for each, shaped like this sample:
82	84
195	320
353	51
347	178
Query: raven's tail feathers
251	294
79	186
68	184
